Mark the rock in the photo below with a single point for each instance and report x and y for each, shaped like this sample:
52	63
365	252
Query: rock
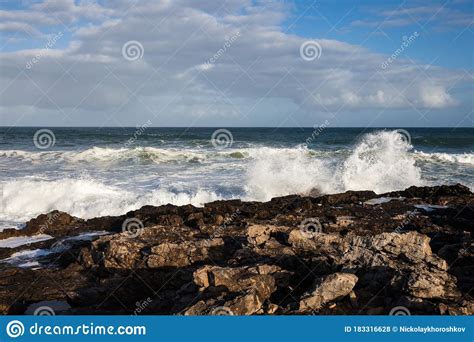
412	244
435	191
239	279
219	220
385	250
112	252
252	258
272	309
253	286
353	298
344	221
347	197
195	220
185	253
55	223
319	242
258	234
433	284
463	308
248	304
333	287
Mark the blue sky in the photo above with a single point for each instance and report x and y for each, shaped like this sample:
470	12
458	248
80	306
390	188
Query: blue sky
445	42
259	78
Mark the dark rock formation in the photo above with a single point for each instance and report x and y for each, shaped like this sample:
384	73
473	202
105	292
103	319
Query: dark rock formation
350	253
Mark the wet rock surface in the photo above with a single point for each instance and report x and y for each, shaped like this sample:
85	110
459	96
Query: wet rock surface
351	253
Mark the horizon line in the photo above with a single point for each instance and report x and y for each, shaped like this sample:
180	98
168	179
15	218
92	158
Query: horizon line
272	127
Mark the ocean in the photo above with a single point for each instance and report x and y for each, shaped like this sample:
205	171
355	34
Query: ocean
91	172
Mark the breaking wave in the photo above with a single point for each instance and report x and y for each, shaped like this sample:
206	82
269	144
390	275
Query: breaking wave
382	161
110	155
460	158
85	198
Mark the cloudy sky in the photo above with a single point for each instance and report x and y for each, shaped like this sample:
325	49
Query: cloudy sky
236	63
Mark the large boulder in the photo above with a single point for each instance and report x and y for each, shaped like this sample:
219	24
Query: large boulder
331	288
185	253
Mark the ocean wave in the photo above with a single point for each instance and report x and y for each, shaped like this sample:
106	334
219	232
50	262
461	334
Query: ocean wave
110	155
380	162
454	158
106	155
86	198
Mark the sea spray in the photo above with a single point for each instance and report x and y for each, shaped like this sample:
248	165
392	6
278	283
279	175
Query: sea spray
94	175
380	162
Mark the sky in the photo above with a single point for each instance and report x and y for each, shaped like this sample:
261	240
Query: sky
208	63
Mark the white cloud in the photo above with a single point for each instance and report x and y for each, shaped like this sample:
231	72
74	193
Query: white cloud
421	16
435	96
179	38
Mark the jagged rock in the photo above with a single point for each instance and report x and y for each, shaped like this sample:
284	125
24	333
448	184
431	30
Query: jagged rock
248	304
463	308
385	249
250	258
254	285
319	242
195	220
342	222
260	278
114	251
55	223
185	253
429	283
258	234
334	286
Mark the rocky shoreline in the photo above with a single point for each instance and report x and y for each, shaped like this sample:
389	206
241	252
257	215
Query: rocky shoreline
405	252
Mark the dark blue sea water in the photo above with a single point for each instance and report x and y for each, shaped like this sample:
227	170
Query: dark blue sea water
106	171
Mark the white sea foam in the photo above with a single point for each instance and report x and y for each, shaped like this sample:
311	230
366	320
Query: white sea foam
86	198
279	172
380	162
103	155
161	155
430	207
460	158
17	241
26	258
379	200
28	254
